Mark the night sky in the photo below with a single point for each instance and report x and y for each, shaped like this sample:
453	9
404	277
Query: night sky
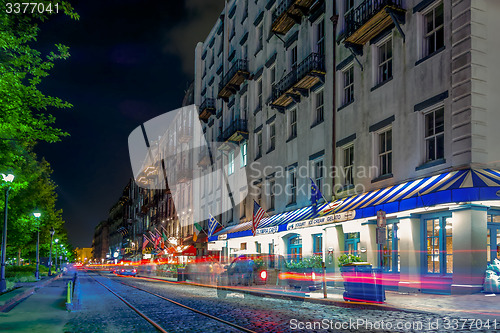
131	60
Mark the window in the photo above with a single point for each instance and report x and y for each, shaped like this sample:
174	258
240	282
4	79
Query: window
348	165
243	205
260	37
434	135
385	152
390	249
292	124
243	149
348	76
272	136
230	165
320	37
433	30
259	94
258	247
439	245
292	186
349	5
292	55
318	170
493	238
384	61
272	184
351	242
243	246
244	106
318	244
258	151
259	194
272	80
319	107
295	248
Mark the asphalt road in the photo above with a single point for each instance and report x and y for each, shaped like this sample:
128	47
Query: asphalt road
103	312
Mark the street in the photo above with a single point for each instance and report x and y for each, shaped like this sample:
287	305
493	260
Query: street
103	312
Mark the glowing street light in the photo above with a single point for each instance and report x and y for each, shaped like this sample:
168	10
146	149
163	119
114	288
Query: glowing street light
37	271
3	283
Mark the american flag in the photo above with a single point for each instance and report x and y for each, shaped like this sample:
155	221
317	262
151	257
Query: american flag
258	214
145	242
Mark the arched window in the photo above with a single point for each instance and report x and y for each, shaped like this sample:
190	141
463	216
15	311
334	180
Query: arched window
295	248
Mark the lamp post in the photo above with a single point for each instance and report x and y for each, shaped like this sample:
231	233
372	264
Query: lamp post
3	283
52	232
55	252
37	271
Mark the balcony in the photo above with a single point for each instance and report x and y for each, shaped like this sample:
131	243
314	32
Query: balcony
184	175
184	134
236	132
233	78
298	81
204	158
370	18
207	108
288	13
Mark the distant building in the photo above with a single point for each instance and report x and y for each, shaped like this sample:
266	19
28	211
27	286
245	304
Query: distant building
83	255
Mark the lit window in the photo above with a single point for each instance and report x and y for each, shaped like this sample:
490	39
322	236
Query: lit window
244	154
433	30
230	165
439	245
434	135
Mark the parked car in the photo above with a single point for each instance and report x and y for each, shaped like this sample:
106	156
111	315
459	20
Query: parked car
245	270
305	279
127	270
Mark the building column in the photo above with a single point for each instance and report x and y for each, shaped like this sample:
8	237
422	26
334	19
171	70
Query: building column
410	240
368	249
469	249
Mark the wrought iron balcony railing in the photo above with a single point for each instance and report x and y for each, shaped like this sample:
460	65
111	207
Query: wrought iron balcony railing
238	125
240	65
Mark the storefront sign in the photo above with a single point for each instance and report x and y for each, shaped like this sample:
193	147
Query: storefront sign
222	237
339	217
381	220
270	230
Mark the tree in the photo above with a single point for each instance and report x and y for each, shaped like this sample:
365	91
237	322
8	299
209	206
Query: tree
26	117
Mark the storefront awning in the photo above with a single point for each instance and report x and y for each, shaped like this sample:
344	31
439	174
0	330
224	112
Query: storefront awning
452	187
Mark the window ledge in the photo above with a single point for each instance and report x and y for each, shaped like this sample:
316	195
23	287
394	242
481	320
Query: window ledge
430	164
257	157
270	150
430	55
346	188
317	123
344	105
291	138
382	177
257	110
381	84
291	204
258	50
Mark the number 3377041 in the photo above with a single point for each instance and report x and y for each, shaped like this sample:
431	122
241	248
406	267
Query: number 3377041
31	8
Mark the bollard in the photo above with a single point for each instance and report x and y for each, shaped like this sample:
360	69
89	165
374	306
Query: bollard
69	296
324	279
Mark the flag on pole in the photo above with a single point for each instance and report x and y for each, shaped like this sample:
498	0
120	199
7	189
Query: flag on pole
258	214
197	229
316	194
145	242
212	223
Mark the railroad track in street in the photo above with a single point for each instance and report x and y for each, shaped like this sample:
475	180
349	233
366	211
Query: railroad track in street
155	322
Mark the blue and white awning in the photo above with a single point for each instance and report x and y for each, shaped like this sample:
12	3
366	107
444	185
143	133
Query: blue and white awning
452	187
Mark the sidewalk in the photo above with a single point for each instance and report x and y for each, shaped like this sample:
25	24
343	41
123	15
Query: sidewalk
43	311
477	306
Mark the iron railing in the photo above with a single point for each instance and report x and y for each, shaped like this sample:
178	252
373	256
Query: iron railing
208	103
357	17
235	126
313	61
238	65
281	8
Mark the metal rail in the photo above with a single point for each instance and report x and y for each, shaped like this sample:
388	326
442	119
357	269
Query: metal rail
241	328
158	327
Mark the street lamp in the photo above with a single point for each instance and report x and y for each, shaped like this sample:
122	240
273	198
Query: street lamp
3	283
37	272
52	232
55	252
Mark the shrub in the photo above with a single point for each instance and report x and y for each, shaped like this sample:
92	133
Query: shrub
312	262
348	259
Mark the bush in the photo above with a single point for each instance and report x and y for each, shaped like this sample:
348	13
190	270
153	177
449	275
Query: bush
312	262
348	259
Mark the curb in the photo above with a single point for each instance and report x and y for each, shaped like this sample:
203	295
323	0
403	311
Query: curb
27	293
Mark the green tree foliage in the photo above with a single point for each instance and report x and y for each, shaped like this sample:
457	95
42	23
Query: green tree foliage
26	118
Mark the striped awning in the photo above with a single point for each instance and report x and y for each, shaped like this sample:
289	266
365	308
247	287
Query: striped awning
452	187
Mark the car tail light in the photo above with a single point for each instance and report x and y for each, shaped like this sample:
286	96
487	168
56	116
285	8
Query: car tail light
123	270
313	275
135	271
263	275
